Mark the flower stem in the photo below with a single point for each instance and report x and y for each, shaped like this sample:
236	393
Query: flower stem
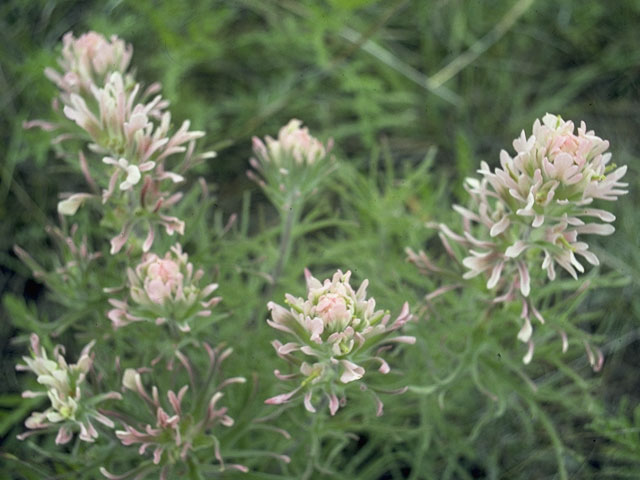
292	207
315	434
286	239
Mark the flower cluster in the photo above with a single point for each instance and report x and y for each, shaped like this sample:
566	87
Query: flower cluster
129	129
69	410
174	436
87	60
291	165
294	145
538	200
336	333
165	290
534	207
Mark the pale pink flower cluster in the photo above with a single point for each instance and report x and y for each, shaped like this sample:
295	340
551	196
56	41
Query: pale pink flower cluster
336	332
539	200
130	130
547	186
127	125
86	61
290	166
182	426
294	143
165	289
534	207
69	411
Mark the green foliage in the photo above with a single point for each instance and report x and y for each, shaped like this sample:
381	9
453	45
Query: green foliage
414	94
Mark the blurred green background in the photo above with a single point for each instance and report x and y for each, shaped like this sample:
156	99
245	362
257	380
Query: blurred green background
393	76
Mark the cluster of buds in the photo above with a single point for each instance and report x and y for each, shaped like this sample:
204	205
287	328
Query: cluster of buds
165	290
87	60
291	166
69	410
129	130
336	332
533	209
179	426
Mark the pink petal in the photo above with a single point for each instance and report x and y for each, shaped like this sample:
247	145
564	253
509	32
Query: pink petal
64	435
334	404
307	402
351	371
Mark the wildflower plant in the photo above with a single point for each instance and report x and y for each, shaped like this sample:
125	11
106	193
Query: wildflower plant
529	213
180	423
336	333
72	407
148	268
540	200
290	167
126	130
70	274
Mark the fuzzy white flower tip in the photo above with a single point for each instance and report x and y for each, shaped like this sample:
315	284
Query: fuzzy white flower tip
351	372
334	404
500	227
130	379
525	280
307	402
596	229
516	249
133	177
529	355
524	335
70	205
495	275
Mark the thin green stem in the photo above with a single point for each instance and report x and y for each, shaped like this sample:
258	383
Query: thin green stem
551	431
286	238
316	431
289	221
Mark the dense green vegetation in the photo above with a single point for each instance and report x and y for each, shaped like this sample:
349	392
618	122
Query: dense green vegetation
414	94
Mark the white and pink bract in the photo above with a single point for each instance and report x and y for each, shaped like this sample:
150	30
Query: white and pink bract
336	332
165	289
63	382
